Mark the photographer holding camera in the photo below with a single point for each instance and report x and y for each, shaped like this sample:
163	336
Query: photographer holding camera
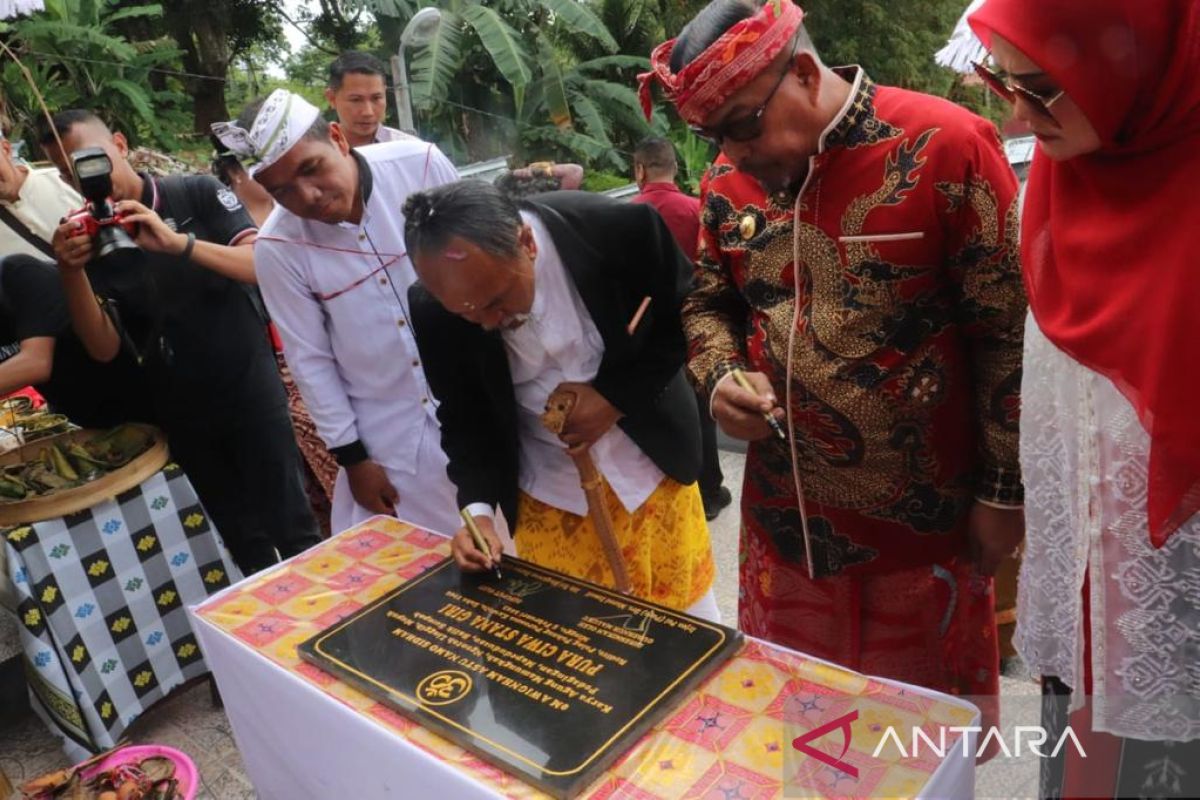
162	257
37	346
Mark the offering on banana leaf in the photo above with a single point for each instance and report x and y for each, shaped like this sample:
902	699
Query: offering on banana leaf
39	426
64	465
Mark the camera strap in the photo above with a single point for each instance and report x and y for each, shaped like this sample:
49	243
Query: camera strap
22	230
172	198
109	307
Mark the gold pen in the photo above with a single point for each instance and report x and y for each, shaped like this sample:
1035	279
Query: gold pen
477	535
741	380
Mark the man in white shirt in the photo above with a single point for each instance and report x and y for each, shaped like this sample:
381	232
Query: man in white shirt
332	268
577	292
357	91
32	202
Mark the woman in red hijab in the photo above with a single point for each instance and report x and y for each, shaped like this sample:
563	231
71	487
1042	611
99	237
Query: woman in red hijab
1109	603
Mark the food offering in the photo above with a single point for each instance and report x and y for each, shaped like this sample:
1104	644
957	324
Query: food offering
156	777
41	426
28	424
66	462
75	470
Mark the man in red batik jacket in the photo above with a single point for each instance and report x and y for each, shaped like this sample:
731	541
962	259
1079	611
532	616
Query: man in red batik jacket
859	262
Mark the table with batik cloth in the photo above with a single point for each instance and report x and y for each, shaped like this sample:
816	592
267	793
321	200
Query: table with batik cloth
101	603
304	734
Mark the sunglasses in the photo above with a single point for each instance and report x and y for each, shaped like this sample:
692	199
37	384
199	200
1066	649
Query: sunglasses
749	127
1004	87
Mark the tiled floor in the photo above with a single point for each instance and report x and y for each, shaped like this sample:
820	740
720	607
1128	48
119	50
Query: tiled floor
189	722
186	721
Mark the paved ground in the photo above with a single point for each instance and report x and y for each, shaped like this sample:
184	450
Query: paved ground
189	722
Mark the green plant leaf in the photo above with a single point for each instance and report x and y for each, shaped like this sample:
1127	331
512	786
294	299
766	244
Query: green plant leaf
436	62
575	141
137	97
576	16
133	11
618	100
594	122
553	85
503	44
65	37
613	62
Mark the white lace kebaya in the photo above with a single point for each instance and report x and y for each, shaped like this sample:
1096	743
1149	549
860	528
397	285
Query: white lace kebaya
1084	459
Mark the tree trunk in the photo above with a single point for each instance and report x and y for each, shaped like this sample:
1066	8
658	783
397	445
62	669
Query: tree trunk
201	29
390	29
209	106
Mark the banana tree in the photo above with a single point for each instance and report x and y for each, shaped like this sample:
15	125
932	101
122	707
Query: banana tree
592	114
505	31
496	75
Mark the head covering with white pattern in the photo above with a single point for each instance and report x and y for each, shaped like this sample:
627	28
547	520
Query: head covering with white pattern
282	120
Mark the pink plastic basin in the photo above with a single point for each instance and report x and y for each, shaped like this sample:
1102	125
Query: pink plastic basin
185	770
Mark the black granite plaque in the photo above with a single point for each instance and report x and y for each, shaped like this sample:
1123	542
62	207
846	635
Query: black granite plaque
548	677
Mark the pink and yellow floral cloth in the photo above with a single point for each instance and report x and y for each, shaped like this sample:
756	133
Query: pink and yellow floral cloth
731	738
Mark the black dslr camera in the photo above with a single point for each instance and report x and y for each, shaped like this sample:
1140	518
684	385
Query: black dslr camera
98	218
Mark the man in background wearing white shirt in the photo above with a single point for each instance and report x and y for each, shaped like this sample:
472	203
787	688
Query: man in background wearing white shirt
332	268
32	202
357	91
575	292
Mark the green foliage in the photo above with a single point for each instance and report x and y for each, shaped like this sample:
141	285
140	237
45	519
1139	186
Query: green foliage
80	58
21	105
694	155
305	72
603	181
894	45
544	79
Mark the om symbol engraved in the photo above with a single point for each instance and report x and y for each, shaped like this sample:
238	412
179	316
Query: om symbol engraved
443	687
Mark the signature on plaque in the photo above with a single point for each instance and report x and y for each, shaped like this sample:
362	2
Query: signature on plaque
524	588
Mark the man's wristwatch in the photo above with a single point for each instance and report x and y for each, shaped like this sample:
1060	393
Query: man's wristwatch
189	247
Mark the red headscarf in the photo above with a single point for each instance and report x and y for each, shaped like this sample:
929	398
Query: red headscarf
1109	243
737	57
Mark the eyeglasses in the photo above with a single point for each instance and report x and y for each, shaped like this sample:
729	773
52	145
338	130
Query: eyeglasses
1004	87
749	127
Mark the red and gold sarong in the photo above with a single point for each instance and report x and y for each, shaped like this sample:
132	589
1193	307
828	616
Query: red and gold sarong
933	626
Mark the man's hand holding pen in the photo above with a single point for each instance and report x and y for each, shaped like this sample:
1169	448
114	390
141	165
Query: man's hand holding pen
742	410
467	546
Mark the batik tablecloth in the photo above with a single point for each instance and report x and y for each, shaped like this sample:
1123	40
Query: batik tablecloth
102	603
303	733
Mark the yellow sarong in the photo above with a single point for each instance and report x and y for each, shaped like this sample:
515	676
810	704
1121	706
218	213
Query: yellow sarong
665	543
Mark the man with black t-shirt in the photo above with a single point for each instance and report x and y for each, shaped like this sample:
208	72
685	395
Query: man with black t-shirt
37	346
46	354
175	304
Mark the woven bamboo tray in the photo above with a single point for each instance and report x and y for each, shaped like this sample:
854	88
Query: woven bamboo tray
77	498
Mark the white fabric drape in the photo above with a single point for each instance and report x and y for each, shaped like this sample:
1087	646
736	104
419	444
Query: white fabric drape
1084	456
